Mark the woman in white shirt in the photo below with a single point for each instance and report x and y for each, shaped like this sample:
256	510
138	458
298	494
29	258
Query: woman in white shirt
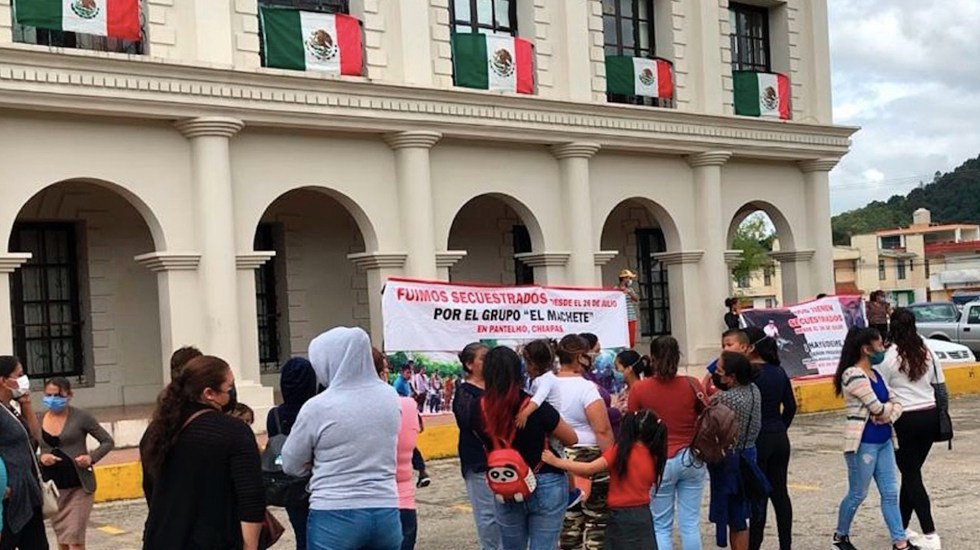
909	370
583	408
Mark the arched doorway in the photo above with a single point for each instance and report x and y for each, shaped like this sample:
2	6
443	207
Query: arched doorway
756	236
638	230
492	229
81	306
309	286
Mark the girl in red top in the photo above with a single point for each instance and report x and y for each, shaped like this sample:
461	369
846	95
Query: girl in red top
636	465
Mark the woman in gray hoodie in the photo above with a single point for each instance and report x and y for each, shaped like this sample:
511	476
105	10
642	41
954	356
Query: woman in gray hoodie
346	436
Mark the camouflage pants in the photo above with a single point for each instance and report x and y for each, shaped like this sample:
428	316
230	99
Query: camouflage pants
586	528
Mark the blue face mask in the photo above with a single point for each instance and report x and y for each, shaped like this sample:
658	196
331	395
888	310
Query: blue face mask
877	357
618	375
55	403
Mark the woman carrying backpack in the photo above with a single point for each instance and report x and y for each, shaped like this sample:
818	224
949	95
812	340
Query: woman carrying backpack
530	514
674	399
736	482
636	466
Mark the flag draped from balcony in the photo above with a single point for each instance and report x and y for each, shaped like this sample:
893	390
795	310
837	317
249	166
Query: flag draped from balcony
112	18
311	41
638	76
491	62
761	94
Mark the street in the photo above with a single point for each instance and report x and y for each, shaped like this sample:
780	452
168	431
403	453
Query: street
817	483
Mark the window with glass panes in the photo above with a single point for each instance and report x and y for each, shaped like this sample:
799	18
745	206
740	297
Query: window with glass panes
484	16
325	6
627	29
750	38
45	300
654	290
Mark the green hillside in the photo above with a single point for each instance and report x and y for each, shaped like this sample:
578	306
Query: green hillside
953	197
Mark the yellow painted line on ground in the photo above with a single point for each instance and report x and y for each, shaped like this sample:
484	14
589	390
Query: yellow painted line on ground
804	487
110	530
463	508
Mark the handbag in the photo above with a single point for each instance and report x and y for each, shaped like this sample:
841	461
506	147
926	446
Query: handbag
945	432
272	531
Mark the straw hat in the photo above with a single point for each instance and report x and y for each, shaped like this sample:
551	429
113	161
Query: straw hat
627	274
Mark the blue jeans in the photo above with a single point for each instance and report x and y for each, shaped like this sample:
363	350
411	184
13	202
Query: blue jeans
482	501
681	488
872	460
356	529
538	520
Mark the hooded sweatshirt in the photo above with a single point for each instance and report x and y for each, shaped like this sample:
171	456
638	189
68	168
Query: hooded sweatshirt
298	384
349	432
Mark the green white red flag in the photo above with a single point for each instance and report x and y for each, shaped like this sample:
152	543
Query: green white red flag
639	76
111	18
311	41
762	94
493	62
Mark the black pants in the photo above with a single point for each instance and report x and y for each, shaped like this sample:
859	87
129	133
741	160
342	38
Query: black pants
916	431
882	328
418	463
773	458
31	537
410	528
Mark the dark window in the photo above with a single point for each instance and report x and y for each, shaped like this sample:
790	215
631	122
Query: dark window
523	273
627	29
484	16
266	304
45	300
654	293
79	41
767	276
928	273
900	270
743	281
911	266
750	38
881	270
891	243
325	6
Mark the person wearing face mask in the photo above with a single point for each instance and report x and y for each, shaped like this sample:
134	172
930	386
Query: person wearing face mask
23	522
626	281
629	368
65	459
202	474
869	440
735	340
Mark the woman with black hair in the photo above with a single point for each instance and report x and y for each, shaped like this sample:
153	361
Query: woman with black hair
772	446
910	369
472	456
630	367
869	440
731	501
538	519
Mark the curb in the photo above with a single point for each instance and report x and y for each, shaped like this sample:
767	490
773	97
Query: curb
125	481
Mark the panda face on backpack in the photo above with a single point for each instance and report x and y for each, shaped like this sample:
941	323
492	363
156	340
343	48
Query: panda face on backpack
509	477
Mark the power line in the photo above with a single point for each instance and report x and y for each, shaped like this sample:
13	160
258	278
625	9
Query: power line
894	182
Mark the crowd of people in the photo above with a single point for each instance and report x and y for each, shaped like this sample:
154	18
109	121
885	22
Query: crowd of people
550	457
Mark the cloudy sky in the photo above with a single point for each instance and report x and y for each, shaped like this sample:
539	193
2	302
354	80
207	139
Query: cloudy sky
908	73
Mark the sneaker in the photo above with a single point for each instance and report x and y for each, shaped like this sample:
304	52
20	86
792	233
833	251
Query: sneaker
842	542
574	498
910	546
929	542
913	536
423	481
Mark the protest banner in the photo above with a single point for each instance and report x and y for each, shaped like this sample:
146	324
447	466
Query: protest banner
810	335
423	316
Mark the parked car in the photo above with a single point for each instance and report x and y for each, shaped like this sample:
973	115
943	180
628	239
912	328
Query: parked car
948	352
940	321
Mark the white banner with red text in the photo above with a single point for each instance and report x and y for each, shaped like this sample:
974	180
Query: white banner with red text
437	316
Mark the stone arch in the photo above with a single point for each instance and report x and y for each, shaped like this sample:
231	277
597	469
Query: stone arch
490	251
779	283
784	229
664	220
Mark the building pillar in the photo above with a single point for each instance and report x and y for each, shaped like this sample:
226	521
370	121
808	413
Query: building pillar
602	258
178	293
214	211
446	260
548	266
686	307
9	261
712	236
576	198
247	263
378	266
816	182
415	199
794	267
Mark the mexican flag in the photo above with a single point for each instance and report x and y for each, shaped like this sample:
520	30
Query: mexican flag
493	62
627	75
761	94
311	41
112	18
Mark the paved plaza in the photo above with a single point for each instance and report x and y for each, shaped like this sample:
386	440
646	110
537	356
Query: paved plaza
817	477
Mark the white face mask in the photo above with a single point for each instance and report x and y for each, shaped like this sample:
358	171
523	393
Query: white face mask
23	387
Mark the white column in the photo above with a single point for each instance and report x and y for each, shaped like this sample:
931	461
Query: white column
548	266
571	44
816	182
602	258
794	268
712	237
576	198
415	199
214	212
9	261
178	294
378	266
686	318
704	52
408	40
446	260
247	263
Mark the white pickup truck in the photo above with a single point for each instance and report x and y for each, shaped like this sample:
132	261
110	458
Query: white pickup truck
943	321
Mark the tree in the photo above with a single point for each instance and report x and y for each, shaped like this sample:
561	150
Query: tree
754	237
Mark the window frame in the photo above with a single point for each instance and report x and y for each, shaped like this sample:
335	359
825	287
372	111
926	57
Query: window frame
267	290
900	273
750	63
881	270
17	302
617	47
653	281
474	20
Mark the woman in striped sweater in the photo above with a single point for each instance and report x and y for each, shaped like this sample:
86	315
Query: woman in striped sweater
869	440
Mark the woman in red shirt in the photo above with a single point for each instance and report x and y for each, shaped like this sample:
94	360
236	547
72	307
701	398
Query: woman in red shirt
674	399
636	465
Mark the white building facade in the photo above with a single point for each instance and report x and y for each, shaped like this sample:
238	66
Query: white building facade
183	194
